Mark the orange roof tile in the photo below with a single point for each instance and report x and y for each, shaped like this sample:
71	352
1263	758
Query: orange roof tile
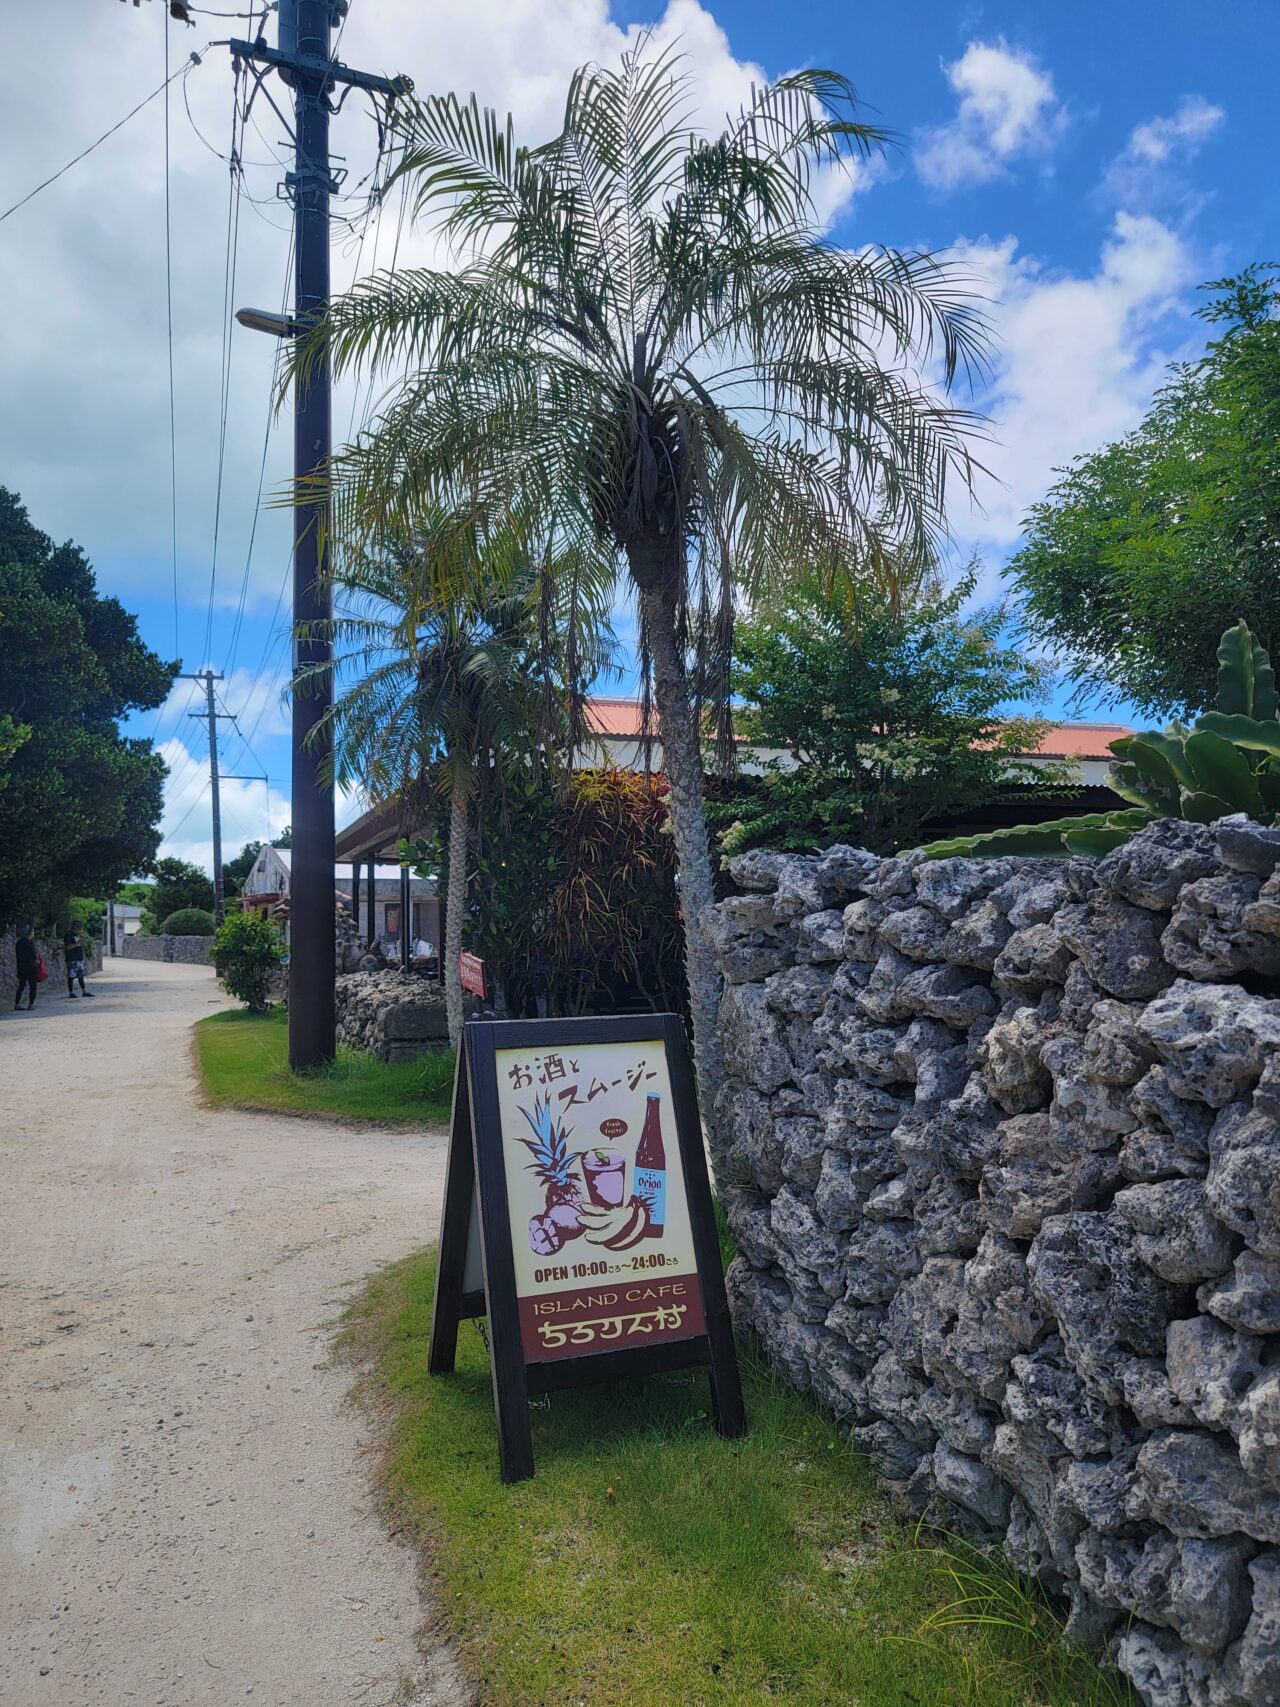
620	718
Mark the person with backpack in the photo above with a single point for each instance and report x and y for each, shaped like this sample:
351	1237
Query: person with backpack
73	947
28	958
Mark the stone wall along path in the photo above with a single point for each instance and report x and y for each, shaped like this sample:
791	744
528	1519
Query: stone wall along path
1000	1148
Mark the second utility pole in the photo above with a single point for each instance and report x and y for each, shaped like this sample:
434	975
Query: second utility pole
211	715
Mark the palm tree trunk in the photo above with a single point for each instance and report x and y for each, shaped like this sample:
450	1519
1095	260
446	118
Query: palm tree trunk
682	766
455	907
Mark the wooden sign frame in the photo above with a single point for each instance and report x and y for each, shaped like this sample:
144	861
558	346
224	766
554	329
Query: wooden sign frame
476	1181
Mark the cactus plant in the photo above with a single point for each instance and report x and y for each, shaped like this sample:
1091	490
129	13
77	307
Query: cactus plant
1227	761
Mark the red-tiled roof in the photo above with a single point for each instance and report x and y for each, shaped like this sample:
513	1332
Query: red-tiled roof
620	718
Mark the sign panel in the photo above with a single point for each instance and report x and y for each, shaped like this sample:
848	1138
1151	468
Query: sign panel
578	1218
599	1222
471	973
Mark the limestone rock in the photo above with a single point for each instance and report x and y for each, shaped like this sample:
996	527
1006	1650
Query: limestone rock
1152	867
950	885
1163	1670
1263	915
1213	1041
752	1049
1085	1273
1259	1428
1245	846
947	993
1051	1405
1176	1235
1032	960
1118	945
1243	1183
998	1318
758	869
820	937
1211	1366
800	992
1207	937
1257	1657
917	932
970	1484
842	871
1248	1298
1195	1485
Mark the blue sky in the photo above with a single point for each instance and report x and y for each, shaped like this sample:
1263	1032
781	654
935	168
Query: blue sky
1090	162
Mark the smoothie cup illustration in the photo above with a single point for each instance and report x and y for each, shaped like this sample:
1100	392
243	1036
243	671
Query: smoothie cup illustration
604	1172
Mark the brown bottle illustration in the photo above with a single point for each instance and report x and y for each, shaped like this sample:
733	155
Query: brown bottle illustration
651	1169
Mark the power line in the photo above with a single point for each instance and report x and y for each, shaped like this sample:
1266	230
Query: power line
172	836
228	293
262	469
194	60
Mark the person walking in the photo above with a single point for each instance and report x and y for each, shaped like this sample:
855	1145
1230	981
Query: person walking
27	956
73	947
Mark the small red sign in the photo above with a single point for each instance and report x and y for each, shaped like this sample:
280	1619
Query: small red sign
471	971
613	1128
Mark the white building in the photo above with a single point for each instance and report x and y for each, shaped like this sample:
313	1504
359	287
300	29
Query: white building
266	891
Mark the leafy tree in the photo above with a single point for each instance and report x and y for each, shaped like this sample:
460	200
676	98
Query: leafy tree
234	871
1145	551
177	884
80	805
890	715
135	893
90	913
649	343
247	952
189	921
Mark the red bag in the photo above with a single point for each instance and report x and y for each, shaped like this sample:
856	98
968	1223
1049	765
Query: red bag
42	971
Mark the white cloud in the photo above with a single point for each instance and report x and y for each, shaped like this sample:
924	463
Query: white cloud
1077	362
1157	147
251	811
1007	107
84	432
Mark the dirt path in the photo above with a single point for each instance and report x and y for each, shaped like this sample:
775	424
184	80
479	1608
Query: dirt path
185	1515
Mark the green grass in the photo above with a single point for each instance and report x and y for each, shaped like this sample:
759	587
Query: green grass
649	1563
243	1064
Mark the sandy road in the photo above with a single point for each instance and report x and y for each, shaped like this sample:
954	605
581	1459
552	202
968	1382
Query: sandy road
185	1510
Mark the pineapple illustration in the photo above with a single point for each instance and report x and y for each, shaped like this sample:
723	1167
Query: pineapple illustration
553	1162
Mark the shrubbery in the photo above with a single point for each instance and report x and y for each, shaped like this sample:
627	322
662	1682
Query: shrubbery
247	951
188	921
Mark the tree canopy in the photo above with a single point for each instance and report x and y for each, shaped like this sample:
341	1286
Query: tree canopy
892	714
80	804
1145	551
178	885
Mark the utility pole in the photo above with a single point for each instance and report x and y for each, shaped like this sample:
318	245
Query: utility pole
210	716
305	61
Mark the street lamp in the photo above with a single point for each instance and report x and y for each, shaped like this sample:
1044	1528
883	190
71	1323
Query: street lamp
263	320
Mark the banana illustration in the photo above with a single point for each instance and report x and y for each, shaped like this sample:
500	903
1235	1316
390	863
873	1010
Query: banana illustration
615	1229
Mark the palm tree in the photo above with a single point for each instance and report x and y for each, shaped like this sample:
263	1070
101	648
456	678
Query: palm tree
645	340
442	696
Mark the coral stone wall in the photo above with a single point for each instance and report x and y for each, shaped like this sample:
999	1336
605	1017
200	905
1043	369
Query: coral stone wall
1000	1147
183	950
393	1015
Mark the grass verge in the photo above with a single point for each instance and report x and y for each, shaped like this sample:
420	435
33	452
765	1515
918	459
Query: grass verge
243	1060
649	1563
